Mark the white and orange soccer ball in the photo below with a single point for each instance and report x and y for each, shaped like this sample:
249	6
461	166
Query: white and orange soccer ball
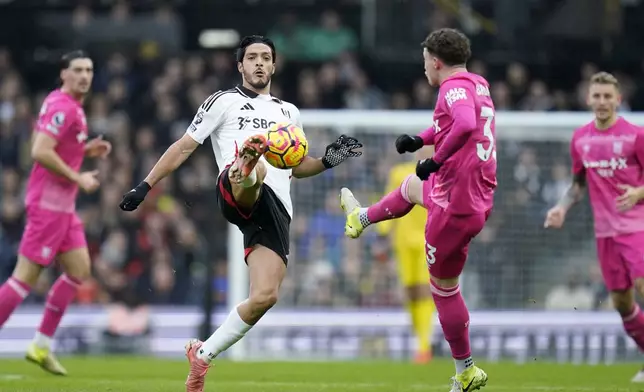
286	146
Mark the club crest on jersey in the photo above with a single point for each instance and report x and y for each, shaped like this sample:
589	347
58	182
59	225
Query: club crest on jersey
618	146
286	113
455	94
198	118
58	119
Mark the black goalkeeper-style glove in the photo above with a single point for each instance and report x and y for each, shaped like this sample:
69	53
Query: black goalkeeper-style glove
341	149
406	143
135	197
426	167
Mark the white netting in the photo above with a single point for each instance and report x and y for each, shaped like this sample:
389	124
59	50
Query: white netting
514	263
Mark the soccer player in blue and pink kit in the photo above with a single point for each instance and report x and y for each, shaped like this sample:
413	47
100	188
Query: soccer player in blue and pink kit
458	196
53	228
608	160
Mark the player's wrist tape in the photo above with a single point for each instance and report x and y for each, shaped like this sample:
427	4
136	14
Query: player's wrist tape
144	187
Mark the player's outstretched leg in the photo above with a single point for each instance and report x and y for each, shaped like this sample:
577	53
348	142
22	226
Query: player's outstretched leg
394	205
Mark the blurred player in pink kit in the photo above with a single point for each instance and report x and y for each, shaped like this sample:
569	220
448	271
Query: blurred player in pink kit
53	230
608	159
459	195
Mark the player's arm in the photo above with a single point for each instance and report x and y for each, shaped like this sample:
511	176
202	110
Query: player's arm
172	158
575	192
43	151
463	112
464	122
633	194
336	153
577	189
206	121
309	167
53	123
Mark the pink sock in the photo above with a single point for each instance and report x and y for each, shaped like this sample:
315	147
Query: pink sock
634	326
60	296
12	293
394	205
455	320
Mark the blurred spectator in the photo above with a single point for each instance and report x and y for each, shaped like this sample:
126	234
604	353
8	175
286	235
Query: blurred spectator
573	295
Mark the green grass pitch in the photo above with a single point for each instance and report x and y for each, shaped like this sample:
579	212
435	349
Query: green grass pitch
118	374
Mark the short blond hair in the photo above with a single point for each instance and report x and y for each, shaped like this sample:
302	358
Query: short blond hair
604	78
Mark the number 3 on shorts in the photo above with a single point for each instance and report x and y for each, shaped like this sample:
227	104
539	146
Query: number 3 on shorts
431	254
485	153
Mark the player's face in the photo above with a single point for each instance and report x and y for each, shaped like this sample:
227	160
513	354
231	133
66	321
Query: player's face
258	66
78	76
432	64
603	99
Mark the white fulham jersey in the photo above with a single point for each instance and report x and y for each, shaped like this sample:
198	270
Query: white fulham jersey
229	117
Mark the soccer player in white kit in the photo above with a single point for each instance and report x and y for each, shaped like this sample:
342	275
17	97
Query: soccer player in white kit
251	194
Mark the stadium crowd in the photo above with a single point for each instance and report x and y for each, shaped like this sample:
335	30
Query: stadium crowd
158	254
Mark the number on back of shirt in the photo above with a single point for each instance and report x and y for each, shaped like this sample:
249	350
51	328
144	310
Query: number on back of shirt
430	253
485	153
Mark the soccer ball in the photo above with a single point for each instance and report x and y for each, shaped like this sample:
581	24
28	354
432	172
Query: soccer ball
287	146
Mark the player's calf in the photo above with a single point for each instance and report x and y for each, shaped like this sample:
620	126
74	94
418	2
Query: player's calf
17	287
266	271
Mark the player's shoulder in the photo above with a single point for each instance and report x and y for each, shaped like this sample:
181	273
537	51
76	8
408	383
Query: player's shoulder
290	107
221	99
629	126
57	100
461	85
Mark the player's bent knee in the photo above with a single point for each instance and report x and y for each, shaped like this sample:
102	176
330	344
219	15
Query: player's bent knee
639	286
264	299
445	283
623	301
413	191
26	271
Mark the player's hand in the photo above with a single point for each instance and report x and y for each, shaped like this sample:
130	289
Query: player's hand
406	143
98	148
341	149
555	217
426	167
88	182
630	197
135	197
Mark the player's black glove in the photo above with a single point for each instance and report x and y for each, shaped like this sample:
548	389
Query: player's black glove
341	149
426	167
133	198
406	143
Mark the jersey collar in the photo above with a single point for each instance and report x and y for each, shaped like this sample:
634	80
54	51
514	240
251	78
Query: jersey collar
251	94
247	92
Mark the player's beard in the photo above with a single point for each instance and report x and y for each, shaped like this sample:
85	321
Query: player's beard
257	82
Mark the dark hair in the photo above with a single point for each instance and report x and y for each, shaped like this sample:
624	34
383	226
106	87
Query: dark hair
449	45
68	57
253	39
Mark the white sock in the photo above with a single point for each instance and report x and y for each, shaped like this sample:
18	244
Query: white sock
463	364
42	341
229	333
250	180
364	218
